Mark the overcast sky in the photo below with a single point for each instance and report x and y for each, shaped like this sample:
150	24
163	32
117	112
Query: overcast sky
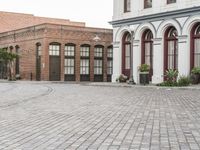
96	13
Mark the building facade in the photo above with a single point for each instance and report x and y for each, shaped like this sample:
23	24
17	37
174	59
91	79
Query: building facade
162	33
60	52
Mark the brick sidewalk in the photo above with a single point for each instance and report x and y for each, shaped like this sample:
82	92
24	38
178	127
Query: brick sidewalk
46	116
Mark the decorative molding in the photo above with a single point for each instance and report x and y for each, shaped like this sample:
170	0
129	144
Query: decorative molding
157	17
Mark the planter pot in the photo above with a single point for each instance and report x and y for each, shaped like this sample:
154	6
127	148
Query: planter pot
195	78
144	78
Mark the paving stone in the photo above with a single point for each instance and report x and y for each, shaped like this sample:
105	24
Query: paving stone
55	116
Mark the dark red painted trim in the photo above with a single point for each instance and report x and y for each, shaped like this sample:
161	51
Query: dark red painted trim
124	43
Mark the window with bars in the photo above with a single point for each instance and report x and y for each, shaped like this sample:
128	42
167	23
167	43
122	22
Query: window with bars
171	1
98	67
69	66
39	50
98	52
98	60
127	6
197	52
85	51
127	56
69	59
84	66
54	50
147	3
70	50
172	51
85	60
110	61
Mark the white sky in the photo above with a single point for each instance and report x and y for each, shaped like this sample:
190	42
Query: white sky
96	13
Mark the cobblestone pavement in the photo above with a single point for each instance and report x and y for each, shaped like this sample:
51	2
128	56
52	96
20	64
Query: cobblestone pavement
44	116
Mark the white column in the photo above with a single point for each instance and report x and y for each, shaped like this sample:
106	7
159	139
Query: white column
117	61
136	59
158	61
183	56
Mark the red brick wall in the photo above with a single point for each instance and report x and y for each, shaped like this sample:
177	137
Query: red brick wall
12	21
48	33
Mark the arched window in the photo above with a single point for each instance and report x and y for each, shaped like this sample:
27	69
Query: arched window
69	62
147	50
85	62
17	68
127	6
126	54
171	49
98	63
38	61
195	46
109	63
147	3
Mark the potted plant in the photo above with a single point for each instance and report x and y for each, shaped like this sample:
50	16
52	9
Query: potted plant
195	75
144	74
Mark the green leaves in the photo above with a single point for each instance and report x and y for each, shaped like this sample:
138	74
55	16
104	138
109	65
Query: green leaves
144	68
196	70
171	75
7	56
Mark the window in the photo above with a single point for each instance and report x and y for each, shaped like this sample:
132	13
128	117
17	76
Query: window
171	49
109	61
195	48
85	60
69	50
85	67
147	50
98	52
85	51
147	3
38	61
171	1
126	51
39	50
98	60
69	59
17	63
127	6
54	50
69	66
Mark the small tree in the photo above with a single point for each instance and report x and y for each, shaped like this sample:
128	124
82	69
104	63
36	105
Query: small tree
8	58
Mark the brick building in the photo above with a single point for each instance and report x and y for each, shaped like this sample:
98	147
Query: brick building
56	49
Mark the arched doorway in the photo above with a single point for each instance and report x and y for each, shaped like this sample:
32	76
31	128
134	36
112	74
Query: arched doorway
147	51
195	46
126	54
171	49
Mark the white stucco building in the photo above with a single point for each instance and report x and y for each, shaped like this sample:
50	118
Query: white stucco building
162	33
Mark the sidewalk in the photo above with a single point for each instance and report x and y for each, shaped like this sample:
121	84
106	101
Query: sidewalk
104	84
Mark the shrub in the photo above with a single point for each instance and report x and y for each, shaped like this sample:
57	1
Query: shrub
184	81
144	68
171	75
195	70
